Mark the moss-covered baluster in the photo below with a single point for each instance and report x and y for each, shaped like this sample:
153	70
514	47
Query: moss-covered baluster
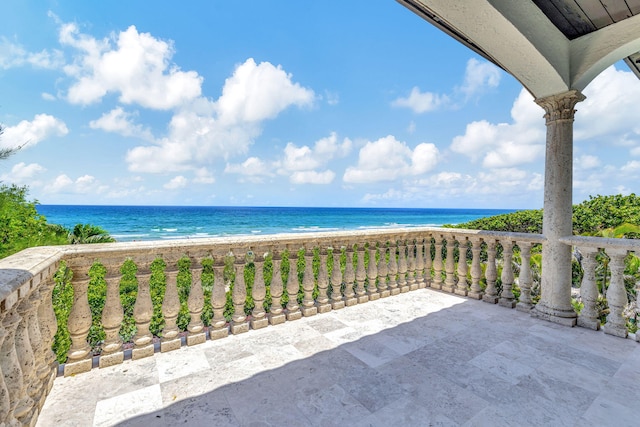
112	316
20	403
507	299
239	322
436	283
617	295
142	313
372	273
476	270
490	274
383	272
276	312
195	303
308	282
361	276
79	323
170	309
525	280
336	279
259	292
393	268
411	263
428	262
402	266
449	266
463	285
420	263
24	352
322	302
219	328
293	285
349	278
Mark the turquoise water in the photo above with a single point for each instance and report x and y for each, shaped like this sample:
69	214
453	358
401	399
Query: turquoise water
130	223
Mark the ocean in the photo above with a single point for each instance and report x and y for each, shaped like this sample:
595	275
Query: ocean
131	223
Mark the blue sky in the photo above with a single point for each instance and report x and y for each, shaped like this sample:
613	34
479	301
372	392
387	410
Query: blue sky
283	103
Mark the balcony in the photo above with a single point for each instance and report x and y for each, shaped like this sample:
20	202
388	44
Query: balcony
382	327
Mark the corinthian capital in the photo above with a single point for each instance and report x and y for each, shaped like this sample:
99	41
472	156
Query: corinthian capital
560	106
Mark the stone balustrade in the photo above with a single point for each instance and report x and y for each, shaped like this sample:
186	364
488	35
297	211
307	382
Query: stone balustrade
246	283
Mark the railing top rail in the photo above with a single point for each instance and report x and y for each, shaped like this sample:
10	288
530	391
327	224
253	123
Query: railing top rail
602	243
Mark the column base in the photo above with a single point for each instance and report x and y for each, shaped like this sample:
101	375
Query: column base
491	299
323	308
589	323
616	331
394	291
277	318
216	334
78	366
461	292
239	327
111	359
524	307
142	352
475	295
561	317
309	311
509	303
374	296
170	345
385	294
337	305
294	315
197	338
348	302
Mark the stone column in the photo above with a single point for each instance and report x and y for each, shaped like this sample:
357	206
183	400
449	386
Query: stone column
555	292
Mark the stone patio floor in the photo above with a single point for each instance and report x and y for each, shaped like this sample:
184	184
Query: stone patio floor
423	358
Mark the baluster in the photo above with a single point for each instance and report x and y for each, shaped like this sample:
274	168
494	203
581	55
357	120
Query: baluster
349	277
402	267
322	304
239	322
383	272
411	261
112	316
616	295
19	402
6	416
48	328
41	368
276	312
259	292
79	322
428	263
142	313
293	285
525	280
336	279
476	270
372	273
449	266
361	276
196	335
637	303
24	352
170	309
507	299
436	283
420	263
393	269
462	285
219	328
490	292
308	282
588	317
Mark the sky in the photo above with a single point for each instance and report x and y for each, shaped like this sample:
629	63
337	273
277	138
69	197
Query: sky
335	103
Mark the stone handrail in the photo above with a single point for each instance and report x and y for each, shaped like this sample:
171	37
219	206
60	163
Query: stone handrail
403	260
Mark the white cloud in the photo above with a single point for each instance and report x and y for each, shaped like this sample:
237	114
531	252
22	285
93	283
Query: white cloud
47	96
120	122
256	92
203	176
134	65
204	131
176	183
505	145
22	173
29	133
312	177
82	185
479	76
421	102
631	166
388	159
610	112
332	97
301	163
14	55
251	166
586	161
